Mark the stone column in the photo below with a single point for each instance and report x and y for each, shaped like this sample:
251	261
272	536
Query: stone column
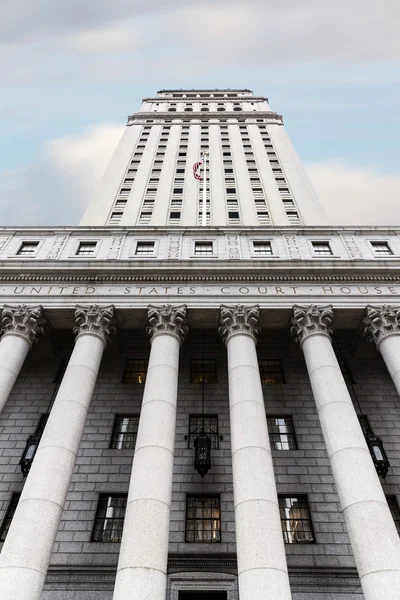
21	327
373	536
27	550
382	326
261	556
142	566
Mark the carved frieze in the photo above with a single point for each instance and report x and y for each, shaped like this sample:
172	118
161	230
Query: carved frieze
381	321
174	247
115	247
233	247
95	319
21	320
58	245
239	319
292	246
309	320
167	319
352	247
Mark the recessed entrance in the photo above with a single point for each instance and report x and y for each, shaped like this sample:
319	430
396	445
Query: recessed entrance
203	596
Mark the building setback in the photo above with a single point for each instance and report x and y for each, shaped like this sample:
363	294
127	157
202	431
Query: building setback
199	383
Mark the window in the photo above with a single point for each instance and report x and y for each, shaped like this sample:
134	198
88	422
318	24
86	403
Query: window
262	248
135	370
210	427
86	248
28	248
321	248
175	215
271	371
124	432
394	509
203	370
144	248
203	519
5	526
233	215
295	520
281	433
110	517
202	248
177	191
381	248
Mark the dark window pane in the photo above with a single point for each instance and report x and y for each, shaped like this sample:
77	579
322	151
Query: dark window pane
394	509
203	370
124	432
281	433
5	526
203	519
295	520
110	516
135	370
271	371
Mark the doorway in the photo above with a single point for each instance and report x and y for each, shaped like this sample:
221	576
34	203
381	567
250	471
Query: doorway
203	595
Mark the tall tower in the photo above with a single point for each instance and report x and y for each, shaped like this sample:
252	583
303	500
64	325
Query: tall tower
254	175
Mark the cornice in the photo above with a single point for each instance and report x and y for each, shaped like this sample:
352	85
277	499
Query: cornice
205	115
203	99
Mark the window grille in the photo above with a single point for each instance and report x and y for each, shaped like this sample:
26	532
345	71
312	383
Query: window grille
210	427
28	248
262	248
203	519
135	370
296	520
281	433
144	248
86	248
110	516
5	526
271	371
394	509
124	432
381	248
202	248
203	370
322	248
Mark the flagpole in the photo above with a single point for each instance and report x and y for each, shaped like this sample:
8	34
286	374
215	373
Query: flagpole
204	213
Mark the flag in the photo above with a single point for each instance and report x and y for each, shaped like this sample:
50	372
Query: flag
196	170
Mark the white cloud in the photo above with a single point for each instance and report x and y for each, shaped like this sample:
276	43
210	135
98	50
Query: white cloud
356	195
56	188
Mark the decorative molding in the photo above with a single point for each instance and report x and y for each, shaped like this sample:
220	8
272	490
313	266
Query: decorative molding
239	319
28	323
58	245
3	242
167	319
205	116
292	246
174	247
352	247
233	247
116	247
96	320
380	322
309	320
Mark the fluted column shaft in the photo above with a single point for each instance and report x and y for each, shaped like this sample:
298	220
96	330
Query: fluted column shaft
142	566
373	536
262	567
21	327
382	326
26	553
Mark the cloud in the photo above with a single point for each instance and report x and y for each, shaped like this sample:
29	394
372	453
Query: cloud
57	187
356	195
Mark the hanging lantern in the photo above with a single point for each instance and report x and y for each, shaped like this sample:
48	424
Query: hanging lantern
378	453
29	452
202	453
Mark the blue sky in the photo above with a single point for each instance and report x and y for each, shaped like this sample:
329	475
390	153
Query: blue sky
72	71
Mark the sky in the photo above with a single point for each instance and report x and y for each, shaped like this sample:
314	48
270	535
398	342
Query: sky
71	71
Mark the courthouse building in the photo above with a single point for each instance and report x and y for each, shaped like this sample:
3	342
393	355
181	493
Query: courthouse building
199	383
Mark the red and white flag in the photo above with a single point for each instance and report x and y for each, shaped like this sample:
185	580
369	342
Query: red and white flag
196	170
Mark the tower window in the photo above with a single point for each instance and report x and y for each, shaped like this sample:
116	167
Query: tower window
321	248
210	424
135	370
124	432
203	519
281	433
86	249
12	507
296	520
262	248
144	248
271	371
110	516
28	248
381	248
203	248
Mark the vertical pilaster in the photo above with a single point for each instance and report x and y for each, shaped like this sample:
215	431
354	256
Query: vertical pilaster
26	553
21	327
261	556
142	565
373	536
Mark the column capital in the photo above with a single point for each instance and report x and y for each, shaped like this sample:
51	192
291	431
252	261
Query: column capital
309	320
27	322
167	319
239	319
95	319
380	322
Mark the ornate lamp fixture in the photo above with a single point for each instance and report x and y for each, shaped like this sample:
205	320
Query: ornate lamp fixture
29	453
202	442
